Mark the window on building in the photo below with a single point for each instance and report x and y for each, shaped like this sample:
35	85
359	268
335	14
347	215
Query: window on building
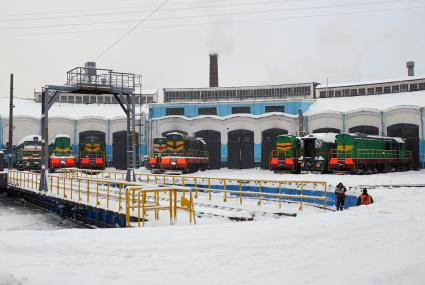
346	92
174	111
353	92
362	91
422	86
387	89
92	99
414	87
70	99
78	99
108	100
404	88
150	99
331	93
395	88
207	111
322	94
370	91
241	110
338	93
378	90
278	108
100	99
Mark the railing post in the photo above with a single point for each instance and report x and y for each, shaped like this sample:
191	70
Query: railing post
127	208
301	197
326	191
225	189
88	190
240	191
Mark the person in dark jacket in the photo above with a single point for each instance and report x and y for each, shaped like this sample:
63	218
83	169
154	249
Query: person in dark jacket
364	198
340	196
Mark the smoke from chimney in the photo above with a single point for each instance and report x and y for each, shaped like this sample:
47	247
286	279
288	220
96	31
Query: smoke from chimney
213	70
410	68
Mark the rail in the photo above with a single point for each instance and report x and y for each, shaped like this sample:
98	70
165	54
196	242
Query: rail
228	187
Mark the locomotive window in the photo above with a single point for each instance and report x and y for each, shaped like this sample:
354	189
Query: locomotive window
280	108
309	148
174	111
241	110
207	111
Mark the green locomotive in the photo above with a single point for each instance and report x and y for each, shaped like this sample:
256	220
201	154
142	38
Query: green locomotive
61	153
365	154
316	149
28	153
179	153
285	155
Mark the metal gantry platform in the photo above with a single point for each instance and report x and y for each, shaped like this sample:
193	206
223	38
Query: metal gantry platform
92	80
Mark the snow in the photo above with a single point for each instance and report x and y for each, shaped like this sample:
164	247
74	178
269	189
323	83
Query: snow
29	138
62	136
374	102
325	137
28	107
377	244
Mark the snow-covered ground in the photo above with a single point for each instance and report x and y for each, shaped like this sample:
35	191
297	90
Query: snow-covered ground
378	244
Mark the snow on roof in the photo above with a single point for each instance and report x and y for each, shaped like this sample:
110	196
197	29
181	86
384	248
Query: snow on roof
29	138
382	81
378	102
397	139
62	136
28	107
326	137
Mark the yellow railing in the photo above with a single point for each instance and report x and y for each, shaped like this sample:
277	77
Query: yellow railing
110	194
211	185
137	198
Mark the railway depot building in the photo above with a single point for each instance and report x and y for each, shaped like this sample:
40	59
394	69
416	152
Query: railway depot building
240	130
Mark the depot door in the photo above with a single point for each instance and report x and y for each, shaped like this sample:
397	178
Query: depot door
241	149
410	133
213	140
268	143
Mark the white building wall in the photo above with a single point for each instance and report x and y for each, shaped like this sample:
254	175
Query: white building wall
399	115
61	126
23	126
325	120
367	117
92	124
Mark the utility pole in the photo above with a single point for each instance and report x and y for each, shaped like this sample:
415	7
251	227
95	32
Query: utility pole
11	106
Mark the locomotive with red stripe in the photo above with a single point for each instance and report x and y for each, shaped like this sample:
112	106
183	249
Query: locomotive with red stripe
92	153
178	153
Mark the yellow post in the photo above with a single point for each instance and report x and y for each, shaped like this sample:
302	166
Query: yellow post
240	191
171	206
196	187
138	208
88	190
71	179
79	189
143	207
209	188
163	176
225	189
107	196
156	178
326	190
97	193
280	192
57	185
127	208
260	194
301	197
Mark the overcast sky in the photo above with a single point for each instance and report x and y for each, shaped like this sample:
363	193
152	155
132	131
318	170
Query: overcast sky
258	41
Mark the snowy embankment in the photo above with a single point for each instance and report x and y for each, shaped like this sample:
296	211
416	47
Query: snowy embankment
378	244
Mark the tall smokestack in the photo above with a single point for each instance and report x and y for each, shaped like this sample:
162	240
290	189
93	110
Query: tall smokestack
410	68
213	70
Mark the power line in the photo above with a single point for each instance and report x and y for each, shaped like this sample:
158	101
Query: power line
131	30
142	11
368	3
226	21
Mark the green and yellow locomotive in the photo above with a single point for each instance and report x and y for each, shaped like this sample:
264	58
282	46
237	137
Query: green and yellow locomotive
61	153
28	153
365	154
92	153
285	155
178	153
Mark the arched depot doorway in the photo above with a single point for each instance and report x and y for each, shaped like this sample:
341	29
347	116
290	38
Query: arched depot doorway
213	141
241	149
367	130
268	143
410	132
